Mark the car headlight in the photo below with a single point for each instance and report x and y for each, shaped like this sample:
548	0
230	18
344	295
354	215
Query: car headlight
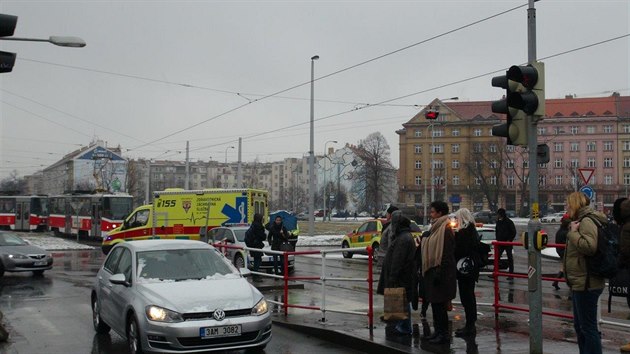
160	314
18	256
260	308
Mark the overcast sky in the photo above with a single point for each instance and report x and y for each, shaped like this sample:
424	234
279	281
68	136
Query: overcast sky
155	74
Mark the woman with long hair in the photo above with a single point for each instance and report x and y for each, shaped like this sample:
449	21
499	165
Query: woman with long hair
466	254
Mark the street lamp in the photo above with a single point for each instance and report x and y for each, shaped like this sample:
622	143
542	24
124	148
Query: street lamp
311	157
62	41
326	155
226	149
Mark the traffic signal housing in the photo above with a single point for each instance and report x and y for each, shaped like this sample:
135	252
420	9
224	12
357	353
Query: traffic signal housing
524	101
7	27
431	114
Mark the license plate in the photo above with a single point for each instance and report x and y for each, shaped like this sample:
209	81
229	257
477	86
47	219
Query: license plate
40	263
220	331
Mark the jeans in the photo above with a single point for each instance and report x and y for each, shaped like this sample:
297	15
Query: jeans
257	260
402	326
278	259
585	320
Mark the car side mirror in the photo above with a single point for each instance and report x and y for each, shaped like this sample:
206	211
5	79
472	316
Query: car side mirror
119	279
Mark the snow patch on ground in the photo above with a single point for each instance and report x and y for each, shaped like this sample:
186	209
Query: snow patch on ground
51	243
320	240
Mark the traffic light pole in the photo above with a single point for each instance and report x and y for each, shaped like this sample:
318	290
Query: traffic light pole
534	267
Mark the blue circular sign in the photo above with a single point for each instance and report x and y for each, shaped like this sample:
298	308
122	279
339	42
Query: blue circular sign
588	191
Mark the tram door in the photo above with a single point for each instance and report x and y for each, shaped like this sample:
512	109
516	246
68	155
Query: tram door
96	220
22	215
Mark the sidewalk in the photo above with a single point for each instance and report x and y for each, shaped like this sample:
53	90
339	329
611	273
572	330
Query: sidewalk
511	337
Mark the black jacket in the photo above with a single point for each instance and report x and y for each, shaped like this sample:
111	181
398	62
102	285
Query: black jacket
561	238
259	234
277	235
467	245
506	231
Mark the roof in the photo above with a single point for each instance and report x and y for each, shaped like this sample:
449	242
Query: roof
153	245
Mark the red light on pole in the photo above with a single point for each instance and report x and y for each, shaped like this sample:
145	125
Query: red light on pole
431	115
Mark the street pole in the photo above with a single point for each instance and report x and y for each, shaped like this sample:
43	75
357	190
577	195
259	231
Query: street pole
239	170
533	226
325	170
424	199
432	167
311	156
187	181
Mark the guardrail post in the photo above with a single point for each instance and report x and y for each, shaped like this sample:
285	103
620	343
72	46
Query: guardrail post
495	279
370	252
323	286
286	282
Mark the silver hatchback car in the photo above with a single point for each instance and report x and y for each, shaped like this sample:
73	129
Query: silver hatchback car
177	296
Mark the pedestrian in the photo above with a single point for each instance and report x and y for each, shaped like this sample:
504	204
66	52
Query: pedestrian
385	235
468	260
585	288
506	231
254	238
421	291
355	215
399	271
561	239
621	216
439	270
278	234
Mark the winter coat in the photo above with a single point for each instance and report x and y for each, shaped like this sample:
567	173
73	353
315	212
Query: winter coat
624	237
467	245
277	235
386	235
505	230
582	243
399	268
259	234
440	283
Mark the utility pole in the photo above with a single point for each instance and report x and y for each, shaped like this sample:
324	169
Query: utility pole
239	170
187	180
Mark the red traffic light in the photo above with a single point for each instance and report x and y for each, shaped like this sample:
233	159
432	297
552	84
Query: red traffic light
431	115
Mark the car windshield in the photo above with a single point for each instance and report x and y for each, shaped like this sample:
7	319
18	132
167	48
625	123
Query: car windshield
240	234
7	239
487	235
182	264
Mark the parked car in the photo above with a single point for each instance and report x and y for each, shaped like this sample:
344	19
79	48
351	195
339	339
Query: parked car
235	236
485	217
177	296
369	234
17	255
487	235
555	217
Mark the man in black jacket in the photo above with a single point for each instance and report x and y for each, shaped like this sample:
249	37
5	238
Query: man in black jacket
506	231
254	238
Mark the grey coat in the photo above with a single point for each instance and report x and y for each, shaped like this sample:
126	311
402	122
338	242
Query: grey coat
399	268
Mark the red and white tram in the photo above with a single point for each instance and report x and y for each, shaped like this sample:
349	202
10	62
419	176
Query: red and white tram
24	212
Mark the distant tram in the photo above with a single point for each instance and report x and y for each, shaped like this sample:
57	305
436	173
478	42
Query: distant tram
24	212
88	215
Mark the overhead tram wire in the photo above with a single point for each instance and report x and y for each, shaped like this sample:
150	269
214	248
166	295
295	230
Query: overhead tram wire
287	89
42	117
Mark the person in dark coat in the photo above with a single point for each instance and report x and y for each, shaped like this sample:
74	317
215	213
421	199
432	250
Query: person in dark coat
256	240
506	231
386	235
439	270
399	270
621	216
561	239
468	260
277	235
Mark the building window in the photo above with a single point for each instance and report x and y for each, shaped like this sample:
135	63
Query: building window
608	146
626	162
557	130
510	163
626	179
456	180
575	163
418	180
509	148
477	147
437	133
542	130
455	132
558	180
557	163
575	146
494	164
417	133
493	147
417	149
525	163
608	180
557	147
542	180
626	145
591	146
455	164
477	181
418	164
590	129
626	128
438	164
575	129
510	181
608	128
609	198
438	149
455	148
477	132
590	162
493	180
608	162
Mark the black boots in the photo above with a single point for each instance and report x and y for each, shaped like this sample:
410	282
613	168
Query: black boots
555	283
468	330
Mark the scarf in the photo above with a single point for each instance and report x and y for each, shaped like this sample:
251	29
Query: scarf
433	246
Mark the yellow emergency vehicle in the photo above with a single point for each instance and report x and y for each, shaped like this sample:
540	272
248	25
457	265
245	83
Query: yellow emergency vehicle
188	214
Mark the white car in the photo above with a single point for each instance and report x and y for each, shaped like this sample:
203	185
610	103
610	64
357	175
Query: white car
555	217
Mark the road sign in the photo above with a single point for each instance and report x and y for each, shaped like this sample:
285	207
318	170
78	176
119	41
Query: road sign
588	191
586	174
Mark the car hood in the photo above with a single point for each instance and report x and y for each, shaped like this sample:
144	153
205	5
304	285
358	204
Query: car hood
201	295
25	249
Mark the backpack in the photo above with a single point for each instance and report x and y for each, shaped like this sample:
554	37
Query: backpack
250	240
604	262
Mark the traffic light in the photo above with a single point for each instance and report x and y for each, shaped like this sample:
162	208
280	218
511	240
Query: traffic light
7	27
524	98
431	113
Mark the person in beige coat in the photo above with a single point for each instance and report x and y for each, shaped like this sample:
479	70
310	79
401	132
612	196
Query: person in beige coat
585	287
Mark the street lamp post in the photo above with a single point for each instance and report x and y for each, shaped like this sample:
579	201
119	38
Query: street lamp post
325	158
311	157
226	149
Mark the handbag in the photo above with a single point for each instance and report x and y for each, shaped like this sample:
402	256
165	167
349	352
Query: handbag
286	246
619	285
395	305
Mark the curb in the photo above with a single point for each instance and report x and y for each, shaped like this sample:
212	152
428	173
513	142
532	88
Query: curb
339	338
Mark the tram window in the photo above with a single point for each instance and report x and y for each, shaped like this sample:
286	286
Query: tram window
7	206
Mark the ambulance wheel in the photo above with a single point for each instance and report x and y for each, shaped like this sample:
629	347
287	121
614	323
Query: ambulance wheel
346	254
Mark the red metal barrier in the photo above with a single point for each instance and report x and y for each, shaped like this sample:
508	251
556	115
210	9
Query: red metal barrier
496	273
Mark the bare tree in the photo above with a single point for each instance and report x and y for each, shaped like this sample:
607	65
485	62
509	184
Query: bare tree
486	166
13	185
375	173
